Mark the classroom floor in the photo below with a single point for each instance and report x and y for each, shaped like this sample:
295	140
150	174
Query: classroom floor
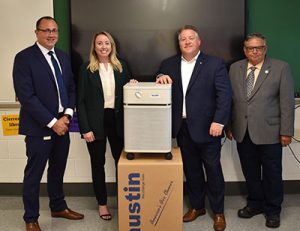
11	212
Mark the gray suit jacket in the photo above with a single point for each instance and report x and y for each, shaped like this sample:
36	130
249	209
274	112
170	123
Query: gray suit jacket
269	112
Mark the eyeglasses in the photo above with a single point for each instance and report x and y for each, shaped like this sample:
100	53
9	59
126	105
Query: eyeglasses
258	49
48	31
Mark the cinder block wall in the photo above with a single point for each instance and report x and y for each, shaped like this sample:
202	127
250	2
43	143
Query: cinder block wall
13	158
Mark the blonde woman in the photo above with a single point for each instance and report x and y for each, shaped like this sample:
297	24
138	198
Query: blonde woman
100	109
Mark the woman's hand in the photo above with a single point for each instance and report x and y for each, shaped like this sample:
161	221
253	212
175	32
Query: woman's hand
89	137
133	81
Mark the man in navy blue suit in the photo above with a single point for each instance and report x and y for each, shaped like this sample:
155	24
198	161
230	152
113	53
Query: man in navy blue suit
201	99
44	85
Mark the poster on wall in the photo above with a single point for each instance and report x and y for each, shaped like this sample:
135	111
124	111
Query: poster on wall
10	125
74	127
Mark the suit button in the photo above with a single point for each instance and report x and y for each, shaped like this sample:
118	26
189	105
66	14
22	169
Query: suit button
246	117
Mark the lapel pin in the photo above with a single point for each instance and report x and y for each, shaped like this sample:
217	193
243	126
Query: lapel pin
200	62
266	71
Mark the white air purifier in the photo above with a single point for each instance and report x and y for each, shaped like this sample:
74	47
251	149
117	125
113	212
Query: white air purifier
147	118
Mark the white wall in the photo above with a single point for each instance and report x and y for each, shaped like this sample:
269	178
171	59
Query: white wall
17	25
13	159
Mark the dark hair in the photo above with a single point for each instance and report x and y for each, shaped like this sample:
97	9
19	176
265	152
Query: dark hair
255	35
188	27
44	18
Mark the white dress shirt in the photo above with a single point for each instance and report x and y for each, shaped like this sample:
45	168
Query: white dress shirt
187	68
108	85
68	111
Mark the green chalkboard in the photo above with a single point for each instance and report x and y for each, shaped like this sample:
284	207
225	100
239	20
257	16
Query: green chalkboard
279	21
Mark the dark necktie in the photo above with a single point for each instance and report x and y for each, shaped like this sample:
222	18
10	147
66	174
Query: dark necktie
250	81
60	82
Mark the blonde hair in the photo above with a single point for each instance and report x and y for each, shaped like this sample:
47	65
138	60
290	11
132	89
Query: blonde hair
94	62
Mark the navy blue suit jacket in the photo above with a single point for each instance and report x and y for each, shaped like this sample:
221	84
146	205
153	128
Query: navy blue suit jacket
208	96
36	90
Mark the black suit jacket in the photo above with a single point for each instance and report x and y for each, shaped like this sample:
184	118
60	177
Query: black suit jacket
90	101
208	96
36	90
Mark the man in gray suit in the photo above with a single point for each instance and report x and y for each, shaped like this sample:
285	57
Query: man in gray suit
262	121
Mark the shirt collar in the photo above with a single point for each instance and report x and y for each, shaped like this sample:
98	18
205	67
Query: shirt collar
43	49
192	60
258	66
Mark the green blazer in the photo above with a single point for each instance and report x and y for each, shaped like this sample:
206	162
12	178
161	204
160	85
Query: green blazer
90	101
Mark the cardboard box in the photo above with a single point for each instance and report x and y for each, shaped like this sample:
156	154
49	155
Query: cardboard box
150	192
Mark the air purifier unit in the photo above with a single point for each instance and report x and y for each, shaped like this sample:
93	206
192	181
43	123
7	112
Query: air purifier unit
147	119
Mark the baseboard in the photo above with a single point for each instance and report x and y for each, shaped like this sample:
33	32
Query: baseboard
86	189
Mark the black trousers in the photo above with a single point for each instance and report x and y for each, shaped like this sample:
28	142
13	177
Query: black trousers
97	150
262	169
197	158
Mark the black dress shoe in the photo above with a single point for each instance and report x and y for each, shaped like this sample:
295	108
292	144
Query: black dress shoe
273	221
248	212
